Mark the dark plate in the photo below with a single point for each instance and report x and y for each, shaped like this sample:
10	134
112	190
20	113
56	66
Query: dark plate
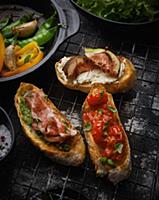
66	16
9	137
116	24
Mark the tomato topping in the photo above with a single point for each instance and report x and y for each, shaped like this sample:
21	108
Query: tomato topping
105	126
96	99
107	152
116	130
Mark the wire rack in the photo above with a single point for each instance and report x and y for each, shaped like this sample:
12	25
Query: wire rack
28	175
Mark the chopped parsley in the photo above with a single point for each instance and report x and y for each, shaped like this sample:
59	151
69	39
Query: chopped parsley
100	111
87	126
106	126
111	162
106	161
103	160
102	94
114	110
64	147
119	147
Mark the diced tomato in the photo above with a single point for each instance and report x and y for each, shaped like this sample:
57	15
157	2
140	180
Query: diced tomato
110	141
116	156
97	137
116	130
113	130
85	117
107	152
96	99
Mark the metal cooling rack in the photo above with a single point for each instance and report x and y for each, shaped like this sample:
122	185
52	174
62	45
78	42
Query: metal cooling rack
28	175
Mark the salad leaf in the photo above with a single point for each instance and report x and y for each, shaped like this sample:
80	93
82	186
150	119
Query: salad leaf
123	10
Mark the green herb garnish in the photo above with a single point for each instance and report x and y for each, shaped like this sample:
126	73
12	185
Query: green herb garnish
106	126
103	160
119	147
111	162
27	58
101	94
114	110
87	126
100	111
64	147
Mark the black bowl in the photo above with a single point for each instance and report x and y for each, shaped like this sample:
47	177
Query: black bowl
66	16
117	25
6	137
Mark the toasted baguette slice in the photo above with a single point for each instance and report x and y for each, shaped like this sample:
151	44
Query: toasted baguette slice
73	156
121	84
103	161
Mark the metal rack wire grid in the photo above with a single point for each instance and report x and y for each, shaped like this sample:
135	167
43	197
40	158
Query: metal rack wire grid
28	175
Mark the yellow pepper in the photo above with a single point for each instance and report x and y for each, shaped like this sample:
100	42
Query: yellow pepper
26	57
2	51
24	67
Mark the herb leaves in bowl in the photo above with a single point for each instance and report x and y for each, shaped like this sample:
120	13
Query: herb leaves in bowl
125	11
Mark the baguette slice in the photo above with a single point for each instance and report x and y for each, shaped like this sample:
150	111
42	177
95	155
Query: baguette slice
76	153
121	84
116	170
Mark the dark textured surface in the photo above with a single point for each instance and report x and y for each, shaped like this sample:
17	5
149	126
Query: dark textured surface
28	175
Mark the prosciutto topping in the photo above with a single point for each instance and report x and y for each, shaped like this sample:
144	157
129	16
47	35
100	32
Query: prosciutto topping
51	124
105	61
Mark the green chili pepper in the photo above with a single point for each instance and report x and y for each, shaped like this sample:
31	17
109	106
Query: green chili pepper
41	38
50	22
4	21
7	30
12	40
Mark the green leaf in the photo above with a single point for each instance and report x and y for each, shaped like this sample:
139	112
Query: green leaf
106	125
27	58
122	10
100	111
101	94
114	110
87	126
119	147
64	147
111	162
103	160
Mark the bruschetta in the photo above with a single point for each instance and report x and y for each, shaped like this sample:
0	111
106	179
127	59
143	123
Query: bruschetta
107	141
116	73
47	128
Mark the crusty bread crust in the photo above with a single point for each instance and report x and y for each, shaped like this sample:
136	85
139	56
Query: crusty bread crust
74	157
121	85
121	171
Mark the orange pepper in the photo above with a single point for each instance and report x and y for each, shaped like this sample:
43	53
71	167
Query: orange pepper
24	67
2	51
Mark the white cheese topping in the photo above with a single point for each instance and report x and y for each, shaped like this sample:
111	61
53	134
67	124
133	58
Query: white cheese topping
93	76
61	65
